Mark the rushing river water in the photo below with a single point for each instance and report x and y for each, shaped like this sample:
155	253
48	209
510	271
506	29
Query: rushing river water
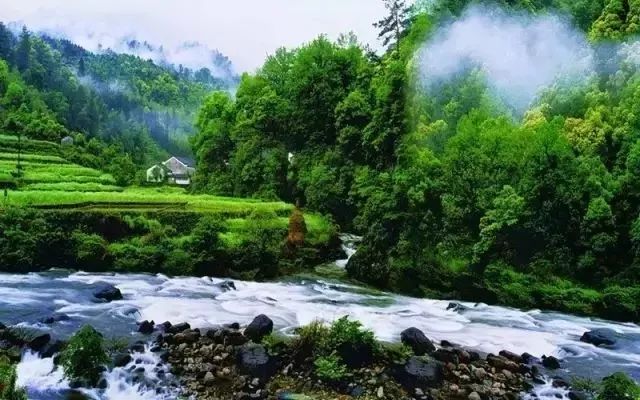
26	299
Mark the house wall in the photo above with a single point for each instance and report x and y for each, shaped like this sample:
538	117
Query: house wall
151	174
176	166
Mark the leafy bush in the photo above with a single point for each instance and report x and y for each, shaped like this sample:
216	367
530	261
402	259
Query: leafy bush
178	263
352	343
585	385
90	249
621	303
84	356
310	338
330	368
135	256
8	389
619	387
397	352
205	244
275	343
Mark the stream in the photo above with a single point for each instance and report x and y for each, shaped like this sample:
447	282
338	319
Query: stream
26	299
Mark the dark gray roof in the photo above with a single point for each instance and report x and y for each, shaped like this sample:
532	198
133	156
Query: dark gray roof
189	162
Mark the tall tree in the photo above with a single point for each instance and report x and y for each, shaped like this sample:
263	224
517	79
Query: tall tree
6	43
23	51
392	26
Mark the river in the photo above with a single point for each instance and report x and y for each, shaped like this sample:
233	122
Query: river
26	299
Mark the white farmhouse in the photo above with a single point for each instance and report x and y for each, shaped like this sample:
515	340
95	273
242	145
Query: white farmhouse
176	170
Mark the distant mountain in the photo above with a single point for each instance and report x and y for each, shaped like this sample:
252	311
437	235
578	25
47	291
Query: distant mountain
136	96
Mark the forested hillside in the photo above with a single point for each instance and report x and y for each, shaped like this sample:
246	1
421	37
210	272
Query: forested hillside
456	191
123	110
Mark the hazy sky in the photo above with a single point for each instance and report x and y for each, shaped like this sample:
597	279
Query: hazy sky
244	30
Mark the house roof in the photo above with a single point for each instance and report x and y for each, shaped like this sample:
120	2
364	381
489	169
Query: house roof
189	162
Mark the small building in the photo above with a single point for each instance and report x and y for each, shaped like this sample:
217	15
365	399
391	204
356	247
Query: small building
176	170
67	141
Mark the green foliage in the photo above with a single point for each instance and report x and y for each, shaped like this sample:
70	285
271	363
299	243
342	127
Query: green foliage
84	356
397	352
330	368
619	386
275	343
346	336
310	338
8	389
90	250
585	385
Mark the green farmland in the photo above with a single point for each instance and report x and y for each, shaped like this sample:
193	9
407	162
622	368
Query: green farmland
141	228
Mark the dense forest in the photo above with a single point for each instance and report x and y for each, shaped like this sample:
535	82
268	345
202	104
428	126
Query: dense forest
455	192
123	111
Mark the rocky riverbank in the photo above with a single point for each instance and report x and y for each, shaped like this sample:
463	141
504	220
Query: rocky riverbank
241	364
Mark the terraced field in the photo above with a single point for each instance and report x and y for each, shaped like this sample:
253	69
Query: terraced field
50	182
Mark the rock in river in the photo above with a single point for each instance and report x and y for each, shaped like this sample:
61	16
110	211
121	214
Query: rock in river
260	327
38	342
600	337
146	327
108	293
419	343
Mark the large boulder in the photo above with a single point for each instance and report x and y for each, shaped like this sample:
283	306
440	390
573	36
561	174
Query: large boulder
260	327
550	362
146	327
254	360
416	339
54	318
456	307
600	337
38	342
226	286
177	328
107	293
121	359
420	372
52	349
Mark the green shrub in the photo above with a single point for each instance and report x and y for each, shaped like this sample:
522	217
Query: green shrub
178	263
135	256
8	389
396	352
84	356
509	286
90	250
205	244
275	343
310	338
352	343
330	368
621	303
585	385
619	387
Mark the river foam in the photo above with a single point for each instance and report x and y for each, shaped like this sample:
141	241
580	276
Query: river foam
202	303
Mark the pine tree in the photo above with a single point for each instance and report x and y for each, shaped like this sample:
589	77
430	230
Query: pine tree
82	69
392	26
23	52
6	44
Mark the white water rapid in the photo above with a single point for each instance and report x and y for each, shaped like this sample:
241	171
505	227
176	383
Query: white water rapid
25	299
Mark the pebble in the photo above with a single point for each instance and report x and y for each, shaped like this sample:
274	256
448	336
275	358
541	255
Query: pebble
474	396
